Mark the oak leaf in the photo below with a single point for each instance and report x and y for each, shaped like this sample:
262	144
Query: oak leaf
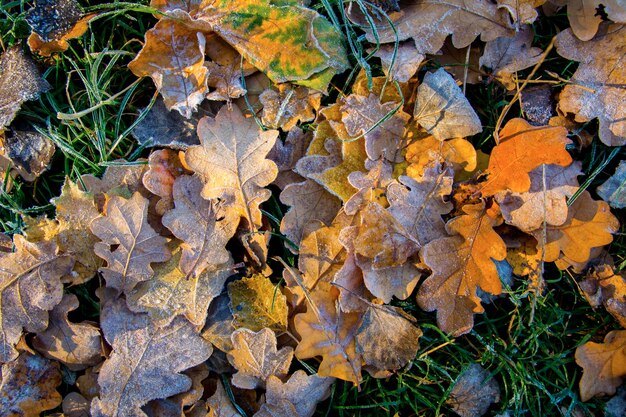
122	178
28	386
30	286
20	82
164	166
203	228
256	358
370	186
220	405
328	332
419	205
173	56
461	264
75	405
256	303
76	345
387	337
128	244
232	162
146	364
584	20
406	61
286	154
596	88
394	281
458	64
284	106
612	190
473	392
604	365
219	324
458	153
442	109
602	286
521	11
299	395
523	148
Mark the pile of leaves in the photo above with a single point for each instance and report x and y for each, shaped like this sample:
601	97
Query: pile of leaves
207	301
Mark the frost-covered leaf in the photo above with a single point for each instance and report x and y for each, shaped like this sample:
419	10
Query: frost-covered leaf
406	63
286	154
301	392
30	152
474	392
257	303
285	106
613	190
232	162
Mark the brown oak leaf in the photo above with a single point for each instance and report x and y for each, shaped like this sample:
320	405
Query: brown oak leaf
461	264
523	148
602	286
30	286
128	244
406	62
256	358
29	151
232	162
473	392
604	365
164	166
286	154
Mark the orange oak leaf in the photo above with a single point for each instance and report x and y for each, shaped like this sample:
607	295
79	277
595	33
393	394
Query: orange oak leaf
231	161
28	386
30	286
457	153
604	365
328	332
602	286
128	244
461	264
523	148
285	105
173	56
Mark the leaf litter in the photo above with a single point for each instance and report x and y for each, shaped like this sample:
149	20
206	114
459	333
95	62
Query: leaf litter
386	199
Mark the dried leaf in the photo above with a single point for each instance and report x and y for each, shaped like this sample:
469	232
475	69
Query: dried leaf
589	224
612	190
506	56
232	162
300	395
75	405
220	405
523	148
20	82
52	19
256	358
287	154
164	166
123	179
429	22
442	109
371	186
173	406
461	64
419	205
596	88
602	286
257	303
173	56
328	332
604	365
146	364
30	286
406	61
219	324
457	153
30	152
29	385
285	105
381	124
286	41
528	211
172	291
197	223
538	104
461	264
76	345
308	201
387	338
129	245
474	392
395	281
521	11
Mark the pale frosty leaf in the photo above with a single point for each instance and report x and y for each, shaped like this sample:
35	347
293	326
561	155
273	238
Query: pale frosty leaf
197	223
120	179
30	152
394	281
172	292
364	115
370	186
387	337
175	406
76	345
538	104
429	22
29	385
506	56
308	201
285	105
407	60
128	244
146	363
527	211
301	391
256	358
232	164
603	74
257	303
419	205
287	154
30	286
474	392
613	190
173	56
442	109
20	82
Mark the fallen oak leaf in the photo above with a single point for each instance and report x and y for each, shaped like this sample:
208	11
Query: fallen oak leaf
29	151
612	190
232	162
164	166
286	154
30	286
256	358
128	244
604	365
407	60
457	153
602	286
256	303
219	404
284	106
473	392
